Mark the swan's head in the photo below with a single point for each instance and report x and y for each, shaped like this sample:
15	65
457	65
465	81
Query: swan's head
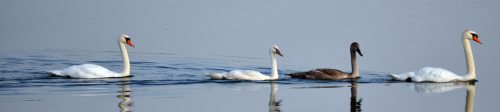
355	47
275	50
125	39
471	35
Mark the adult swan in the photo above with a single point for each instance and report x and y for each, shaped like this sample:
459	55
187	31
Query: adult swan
250	74
431	74
96	71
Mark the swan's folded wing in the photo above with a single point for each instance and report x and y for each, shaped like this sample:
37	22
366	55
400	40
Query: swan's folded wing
435	75
86	71
327	74
248	75
312	74
239	75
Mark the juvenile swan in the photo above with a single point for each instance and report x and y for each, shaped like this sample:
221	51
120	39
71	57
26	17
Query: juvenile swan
250	74
431	74
96	71
333	74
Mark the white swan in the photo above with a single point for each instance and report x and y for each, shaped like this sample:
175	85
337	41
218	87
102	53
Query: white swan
96	71
250	74
432	74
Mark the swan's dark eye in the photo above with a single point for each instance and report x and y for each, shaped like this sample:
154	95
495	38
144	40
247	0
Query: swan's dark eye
474	35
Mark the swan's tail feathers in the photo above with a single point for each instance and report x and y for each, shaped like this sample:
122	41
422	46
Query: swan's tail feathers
400	77
393	76
301	75
55	72
215	76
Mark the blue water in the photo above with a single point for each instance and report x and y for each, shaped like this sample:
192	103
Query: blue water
177	83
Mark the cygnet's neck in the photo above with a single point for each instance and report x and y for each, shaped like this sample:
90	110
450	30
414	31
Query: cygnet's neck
354	64
126	63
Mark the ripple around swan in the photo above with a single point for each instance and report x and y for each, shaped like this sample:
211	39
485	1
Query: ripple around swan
45	79
23	70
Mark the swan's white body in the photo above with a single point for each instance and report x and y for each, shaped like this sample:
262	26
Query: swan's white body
86	71
431	74
240	75
250	74
96	71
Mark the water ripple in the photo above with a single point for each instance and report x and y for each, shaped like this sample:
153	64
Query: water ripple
23	70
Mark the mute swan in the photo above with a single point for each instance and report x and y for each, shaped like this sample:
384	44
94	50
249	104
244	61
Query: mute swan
333	74
96	71
250	74
432	74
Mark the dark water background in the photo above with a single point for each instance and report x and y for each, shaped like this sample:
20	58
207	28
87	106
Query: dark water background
177	42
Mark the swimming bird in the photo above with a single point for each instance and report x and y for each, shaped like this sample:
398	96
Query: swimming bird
250	74
96	71
432	74
333	74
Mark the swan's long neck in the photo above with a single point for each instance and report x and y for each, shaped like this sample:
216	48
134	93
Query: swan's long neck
354	64
274	68
471	70
126	63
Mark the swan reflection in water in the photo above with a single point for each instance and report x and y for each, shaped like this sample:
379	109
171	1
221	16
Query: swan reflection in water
444	87
125	95
354	103
273	104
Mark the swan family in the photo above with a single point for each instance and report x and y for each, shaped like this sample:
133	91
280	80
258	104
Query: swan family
426	74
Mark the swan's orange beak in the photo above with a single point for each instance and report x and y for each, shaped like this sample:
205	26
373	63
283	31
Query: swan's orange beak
475	39
130	43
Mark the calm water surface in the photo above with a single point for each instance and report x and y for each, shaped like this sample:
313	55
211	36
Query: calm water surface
177	42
